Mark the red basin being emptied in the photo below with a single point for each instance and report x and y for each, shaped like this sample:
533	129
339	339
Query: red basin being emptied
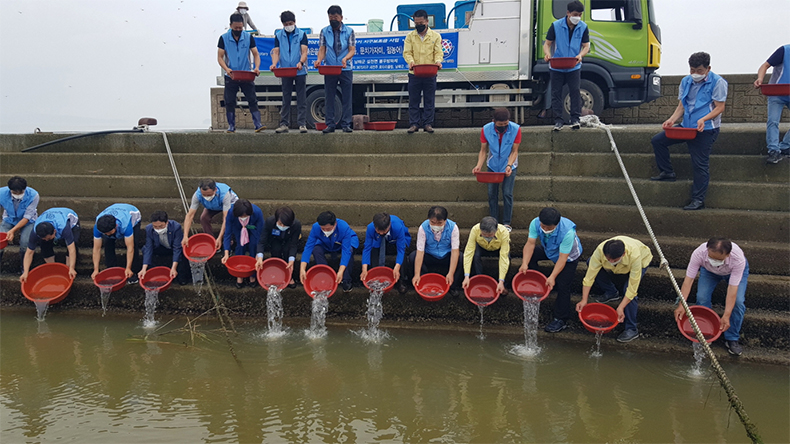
201	247
598	317
530	285
708	322
48	283
380	274
114	277
320	278
432	287
274	272
482	290
157	278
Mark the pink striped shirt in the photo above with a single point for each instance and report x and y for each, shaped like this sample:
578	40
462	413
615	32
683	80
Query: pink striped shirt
733	265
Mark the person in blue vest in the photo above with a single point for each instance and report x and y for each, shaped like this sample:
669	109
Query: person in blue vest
336	46
118	221
290	51
280	236
391	230
331	235
701	99
780	60
233	54
438	249
20	208
569	37
216	197
163	247
52	225
499	141
559	244
244	226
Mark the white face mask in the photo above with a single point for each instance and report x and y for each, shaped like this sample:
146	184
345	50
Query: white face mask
615	263
697	77
18	196
575	20
244	219
210	198
547	232
282	228
289	28
488	239
242	11
437	228
715	262
161	230
328	233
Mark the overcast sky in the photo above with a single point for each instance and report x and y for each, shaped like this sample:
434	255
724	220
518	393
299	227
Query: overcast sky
90	65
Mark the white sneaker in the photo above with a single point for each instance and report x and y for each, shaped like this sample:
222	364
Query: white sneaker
281	129
302	129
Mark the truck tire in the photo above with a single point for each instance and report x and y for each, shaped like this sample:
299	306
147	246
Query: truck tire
315	106
592	99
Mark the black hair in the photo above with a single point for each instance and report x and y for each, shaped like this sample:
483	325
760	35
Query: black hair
17	183
549	216
334	9
614	248
208	184
437	212
106	223
158	216
44	229
699	59
501	114
326	218
420	13
488	225
287	16
236	18
381	221
242	208
575	6
284	215
720	245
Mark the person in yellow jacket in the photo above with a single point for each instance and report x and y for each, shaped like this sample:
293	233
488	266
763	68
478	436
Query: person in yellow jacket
423	46
486	238
624	256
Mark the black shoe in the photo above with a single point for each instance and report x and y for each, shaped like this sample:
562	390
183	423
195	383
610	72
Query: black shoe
292	285
182	283
785	152
402	288
733	347
239	285
412	129
133	280
606	297
695	205
774	157
347	287
347	129
576	125
329	129
557	126
665	177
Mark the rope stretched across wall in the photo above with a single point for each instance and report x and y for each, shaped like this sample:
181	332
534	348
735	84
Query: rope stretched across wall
751	429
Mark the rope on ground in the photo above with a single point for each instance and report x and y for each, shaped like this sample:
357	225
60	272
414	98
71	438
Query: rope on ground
751	429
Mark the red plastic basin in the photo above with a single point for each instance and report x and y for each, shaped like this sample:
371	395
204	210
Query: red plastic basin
320	126
776	89
489	177
563	62
427	70
598	317
320	278
680	133
380	274
707	321
285	72
274	272
3	240
530	285
47	283
433	286
482	290
202	247
379	126
114	277
240	266
243	76
327	70
157	278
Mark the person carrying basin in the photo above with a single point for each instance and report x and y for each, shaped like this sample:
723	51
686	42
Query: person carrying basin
280	236
337	45
290	51
780	60
52	225
118	221
423	46
236	51
244	226
216	198
163	238
20	208
438	249
331	235
488	238
386	234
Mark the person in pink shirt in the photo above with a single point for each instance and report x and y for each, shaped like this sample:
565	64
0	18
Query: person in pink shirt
717	260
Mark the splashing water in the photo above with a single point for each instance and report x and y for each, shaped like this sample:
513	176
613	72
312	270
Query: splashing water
198	270
41	310
372	334
530	347
274	311
318	319
699	354
481	336
105	297
595	352
151	301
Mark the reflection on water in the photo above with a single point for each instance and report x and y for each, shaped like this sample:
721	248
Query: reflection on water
79	378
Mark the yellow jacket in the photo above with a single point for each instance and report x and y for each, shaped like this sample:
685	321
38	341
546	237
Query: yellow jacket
500	242
637	256
423	51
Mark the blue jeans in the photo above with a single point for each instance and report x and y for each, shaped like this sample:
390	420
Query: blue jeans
425	87
345	79
605	282
707	282
775	106
699	149
507	199
23	235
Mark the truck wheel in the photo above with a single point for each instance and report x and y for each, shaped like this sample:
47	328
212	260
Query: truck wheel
315	107
592	99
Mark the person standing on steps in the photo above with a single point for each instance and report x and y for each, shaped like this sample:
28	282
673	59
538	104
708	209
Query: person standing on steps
488	238
337	45
237	52
387	233
51	225
570	38
780	60
701	99
423	46
290	51
20	208
244	11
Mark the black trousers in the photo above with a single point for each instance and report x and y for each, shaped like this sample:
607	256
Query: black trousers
573	80
48	247
562	305
164	257
110	260
232	87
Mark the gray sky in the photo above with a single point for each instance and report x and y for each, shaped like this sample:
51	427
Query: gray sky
90	65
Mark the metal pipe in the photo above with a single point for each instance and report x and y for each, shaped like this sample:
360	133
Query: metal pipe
78	136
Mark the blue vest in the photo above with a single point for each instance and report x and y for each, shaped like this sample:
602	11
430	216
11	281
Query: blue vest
332	58
785	74
58	217
565	48
499	152
444	246
291	49
238	54
216	203
123	218
551	244
702	103
14	216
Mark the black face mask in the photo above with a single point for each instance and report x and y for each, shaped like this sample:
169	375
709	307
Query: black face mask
236	33
335	24
501	129
420	28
